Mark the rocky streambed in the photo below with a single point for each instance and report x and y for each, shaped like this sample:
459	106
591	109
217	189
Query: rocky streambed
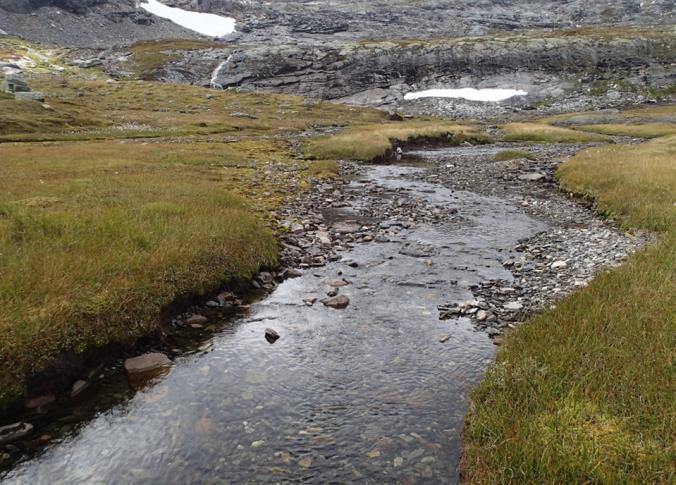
400	280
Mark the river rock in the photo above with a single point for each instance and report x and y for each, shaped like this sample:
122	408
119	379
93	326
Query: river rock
13	432
339	302
346	227
197	320
146	363
78	388
513	306
271	335
339	283
532	177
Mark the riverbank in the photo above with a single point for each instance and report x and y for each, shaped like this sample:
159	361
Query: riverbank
584	390
145	195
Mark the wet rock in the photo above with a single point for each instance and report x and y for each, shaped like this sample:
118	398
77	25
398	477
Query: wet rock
293	273
332	292
13	432
146	363
339	283
310	301
338	302
445	338
271	335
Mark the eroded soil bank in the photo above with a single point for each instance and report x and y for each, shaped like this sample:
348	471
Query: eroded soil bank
432	255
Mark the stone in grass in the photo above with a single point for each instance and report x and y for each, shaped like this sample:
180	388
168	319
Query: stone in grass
338	302
271	335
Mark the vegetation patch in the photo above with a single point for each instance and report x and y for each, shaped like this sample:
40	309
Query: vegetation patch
646	130
372	141
506	155
584	392
544	133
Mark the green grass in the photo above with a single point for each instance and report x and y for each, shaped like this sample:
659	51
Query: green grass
165	195
585	392
372	141
544	133
645	130
506	155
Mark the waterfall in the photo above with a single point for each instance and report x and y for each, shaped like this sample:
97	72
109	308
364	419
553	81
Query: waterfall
214	76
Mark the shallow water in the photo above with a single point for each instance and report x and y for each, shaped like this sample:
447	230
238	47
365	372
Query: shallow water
365	394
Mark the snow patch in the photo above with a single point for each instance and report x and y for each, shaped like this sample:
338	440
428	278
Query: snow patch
203	23
471	94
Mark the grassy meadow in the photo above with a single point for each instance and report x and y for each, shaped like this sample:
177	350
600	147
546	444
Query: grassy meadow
584	393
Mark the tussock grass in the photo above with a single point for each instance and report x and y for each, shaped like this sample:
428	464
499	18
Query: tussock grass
372	141
506	155
97	238
584	392
646	130
544	133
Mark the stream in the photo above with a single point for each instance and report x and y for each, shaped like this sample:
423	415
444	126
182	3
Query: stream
373	393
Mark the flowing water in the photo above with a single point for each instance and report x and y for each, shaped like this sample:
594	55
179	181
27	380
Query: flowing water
367	394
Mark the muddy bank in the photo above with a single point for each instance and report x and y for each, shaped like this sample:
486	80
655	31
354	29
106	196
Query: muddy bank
368	379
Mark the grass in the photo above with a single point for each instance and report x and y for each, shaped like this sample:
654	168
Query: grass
372	141
584	392
164	194
544	133
507	155
645	130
